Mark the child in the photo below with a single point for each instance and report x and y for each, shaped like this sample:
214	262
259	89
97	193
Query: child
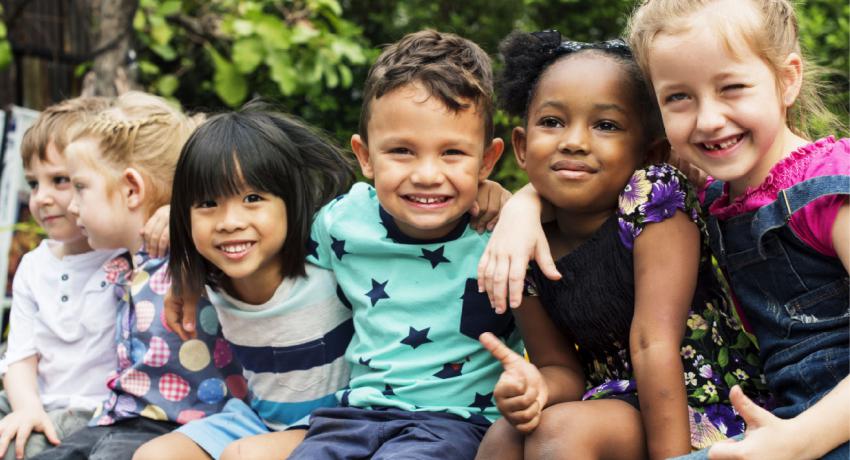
608	344
121	165
735	104
245	189
403	254
63	315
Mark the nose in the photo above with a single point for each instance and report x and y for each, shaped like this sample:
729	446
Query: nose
710	117
74	206
232	219
427	172
574	139
42	196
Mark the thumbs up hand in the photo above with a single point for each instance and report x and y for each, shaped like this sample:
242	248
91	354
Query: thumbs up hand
521	393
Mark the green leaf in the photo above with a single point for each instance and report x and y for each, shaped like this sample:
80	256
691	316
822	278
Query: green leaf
229	84
282	72
723	357
169	7
160	30
164	51
242	27
167	85
139	21
5	54
698	334
274	33
331	77
730	380
148	68
302	33
247	54
345	75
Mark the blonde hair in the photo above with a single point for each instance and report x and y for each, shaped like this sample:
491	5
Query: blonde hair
771	32
58	124
143	132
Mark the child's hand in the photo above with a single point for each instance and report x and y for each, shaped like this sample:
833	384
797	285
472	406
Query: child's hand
519	237
767	435
155	233
485	210
521	393
20	424
697	177
180	314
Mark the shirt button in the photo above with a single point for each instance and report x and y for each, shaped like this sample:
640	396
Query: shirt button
64	277
64	298
103	284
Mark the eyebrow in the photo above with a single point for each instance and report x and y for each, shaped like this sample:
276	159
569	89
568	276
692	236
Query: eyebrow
598	107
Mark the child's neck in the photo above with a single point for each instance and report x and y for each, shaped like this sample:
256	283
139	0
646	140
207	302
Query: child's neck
254	290
575	228
70	248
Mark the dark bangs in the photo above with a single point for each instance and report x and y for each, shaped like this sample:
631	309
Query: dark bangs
263	150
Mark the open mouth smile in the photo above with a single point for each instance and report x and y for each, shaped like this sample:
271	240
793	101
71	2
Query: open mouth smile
235	250
722	145
427	200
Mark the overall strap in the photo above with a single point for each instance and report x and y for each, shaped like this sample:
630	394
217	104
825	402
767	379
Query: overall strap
792	199
712	193
718	247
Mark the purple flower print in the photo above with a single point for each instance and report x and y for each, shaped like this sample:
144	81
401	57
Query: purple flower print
627	233
706	371
666	199
656	172
723	417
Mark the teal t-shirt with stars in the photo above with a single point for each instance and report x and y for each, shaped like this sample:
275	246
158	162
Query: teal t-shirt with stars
416	308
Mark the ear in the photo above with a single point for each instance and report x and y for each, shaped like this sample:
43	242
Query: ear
518	141
491	155
657	152
361	151
792	79
133	188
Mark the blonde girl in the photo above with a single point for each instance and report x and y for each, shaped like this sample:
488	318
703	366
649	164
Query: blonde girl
121	166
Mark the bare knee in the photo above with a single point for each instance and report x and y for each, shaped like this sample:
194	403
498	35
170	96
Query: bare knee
501	441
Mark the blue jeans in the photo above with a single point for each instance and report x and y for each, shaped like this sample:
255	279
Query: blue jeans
110	442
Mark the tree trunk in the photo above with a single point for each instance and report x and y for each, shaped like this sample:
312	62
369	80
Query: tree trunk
112	33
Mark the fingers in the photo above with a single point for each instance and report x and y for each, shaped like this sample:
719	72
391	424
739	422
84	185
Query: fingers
728	449
543	257
500	351
155	233
49	432
482	267
21	440
5	438
753	415
180	316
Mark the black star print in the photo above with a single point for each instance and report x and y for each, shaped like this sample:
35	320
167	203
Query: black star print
364	362
343	401
338	247
388	390
450	370
377	293
435	257
342	297
482	401
312	245
416	338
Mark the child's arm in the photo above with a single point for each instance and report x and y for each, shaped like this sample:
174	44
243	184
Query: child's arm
155	233
525	389
516	239
180	313
485	211
28	413
666	263
812	434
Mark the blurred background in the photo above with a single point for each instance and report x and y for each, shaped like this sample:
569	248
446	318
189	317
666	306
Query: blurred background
309	55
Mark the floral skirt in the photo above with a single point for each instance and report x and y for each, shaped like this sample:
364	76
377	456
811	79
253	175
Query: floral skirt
709	423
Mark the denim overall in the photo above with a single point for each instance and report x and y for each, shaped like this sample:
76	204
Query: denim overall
795	298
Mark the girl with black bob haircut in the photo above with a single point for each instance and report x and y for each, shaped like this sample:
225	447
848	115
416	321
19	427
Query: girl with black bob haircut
268	151
246	187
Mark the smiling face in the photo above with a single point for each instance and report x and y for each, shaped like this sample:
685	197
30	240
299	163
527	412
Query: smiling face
724	113
426	160
583	139
51	194
243	236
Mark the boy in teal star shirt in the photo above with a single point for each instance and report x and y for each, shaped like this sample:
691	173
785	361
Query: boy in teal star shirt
405	259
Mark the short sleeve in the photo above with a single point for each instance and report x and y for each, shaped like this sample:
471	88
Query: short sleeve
653	194
813	224
22	319
319	244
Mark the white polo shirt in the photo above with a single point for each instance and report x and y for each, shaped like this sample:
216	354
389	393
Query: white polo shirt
64	311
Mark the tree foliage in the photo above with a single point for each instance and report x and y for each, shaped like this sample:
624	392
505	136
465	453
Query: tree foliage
312	56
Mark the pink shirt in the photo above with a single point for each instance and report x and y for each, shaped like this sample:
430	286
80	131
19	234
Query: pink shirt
812	224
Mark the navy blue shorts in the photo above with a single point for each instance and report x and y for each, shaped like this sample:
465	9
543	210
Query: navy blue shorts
350	432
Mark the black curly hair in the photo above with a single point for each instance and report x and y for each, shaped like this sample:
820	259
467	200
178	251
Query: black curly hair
527	56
